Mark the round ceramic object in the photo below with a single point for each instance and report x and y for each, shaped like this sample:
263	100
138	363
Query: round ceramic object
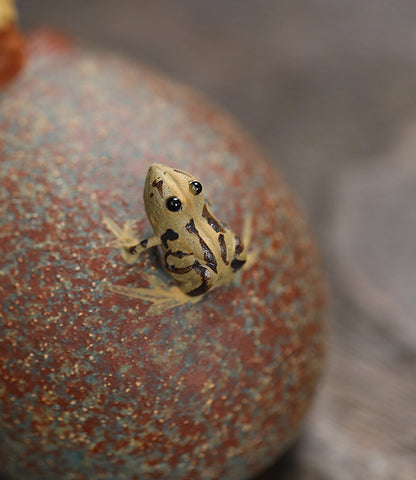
91	386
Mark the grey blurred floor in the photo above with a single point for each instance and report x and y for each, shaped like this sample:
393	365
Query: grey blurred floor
328	87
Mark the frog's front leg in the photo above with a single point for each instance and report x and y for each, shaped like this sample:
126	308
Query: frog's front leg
150	242
131	252
127	241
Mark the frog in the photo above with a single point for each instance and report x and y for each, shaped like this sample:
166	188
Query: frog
198	251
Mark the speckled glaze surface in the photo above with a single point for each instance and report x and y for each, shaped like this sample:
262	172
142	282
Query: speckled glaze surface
89	387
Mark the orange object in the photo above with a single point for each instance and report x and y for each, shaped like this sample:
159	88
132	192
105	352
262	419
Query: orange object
12	56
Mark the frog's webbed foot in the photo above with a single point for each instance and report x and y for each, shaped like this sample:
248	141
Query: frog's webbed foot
125	239
161	297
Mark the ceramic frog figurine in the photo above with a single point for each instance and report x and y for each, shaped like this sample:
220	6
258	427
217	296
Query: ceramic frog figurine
198	251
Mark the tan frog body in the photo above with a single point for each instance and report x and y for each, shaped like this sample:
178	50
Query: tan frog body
197	250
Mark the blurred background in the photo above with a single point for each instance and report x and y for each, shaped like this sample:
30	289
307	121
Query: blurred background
328	88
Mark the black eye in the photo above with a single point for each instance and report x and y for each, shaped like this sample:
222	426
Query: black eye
173	204
195	187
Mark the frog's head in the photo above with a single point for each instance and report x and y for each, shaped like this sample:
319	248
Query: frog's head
171	195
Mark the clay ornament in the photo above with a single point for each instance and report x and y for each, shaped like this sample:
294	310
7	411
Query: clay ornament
198	251
7	13
11	43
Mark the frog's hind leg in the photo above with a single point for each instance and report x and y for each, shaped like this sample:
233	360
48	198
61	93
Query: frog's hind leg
247	229
161	297
252	255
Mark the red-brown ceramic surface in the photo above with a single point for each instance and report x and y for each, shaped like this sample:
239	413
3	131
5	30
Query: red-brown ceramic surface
91	387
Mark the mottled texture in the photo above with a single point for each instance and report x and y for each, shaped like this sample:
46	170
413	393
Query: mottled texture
89	388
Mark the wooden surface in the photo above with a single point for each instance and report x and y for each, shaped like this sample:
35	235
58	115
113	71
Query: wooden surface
328	88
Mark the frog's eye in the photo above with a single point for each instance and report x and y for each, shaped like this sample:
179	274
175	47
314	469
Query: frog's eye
195	187
173	204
